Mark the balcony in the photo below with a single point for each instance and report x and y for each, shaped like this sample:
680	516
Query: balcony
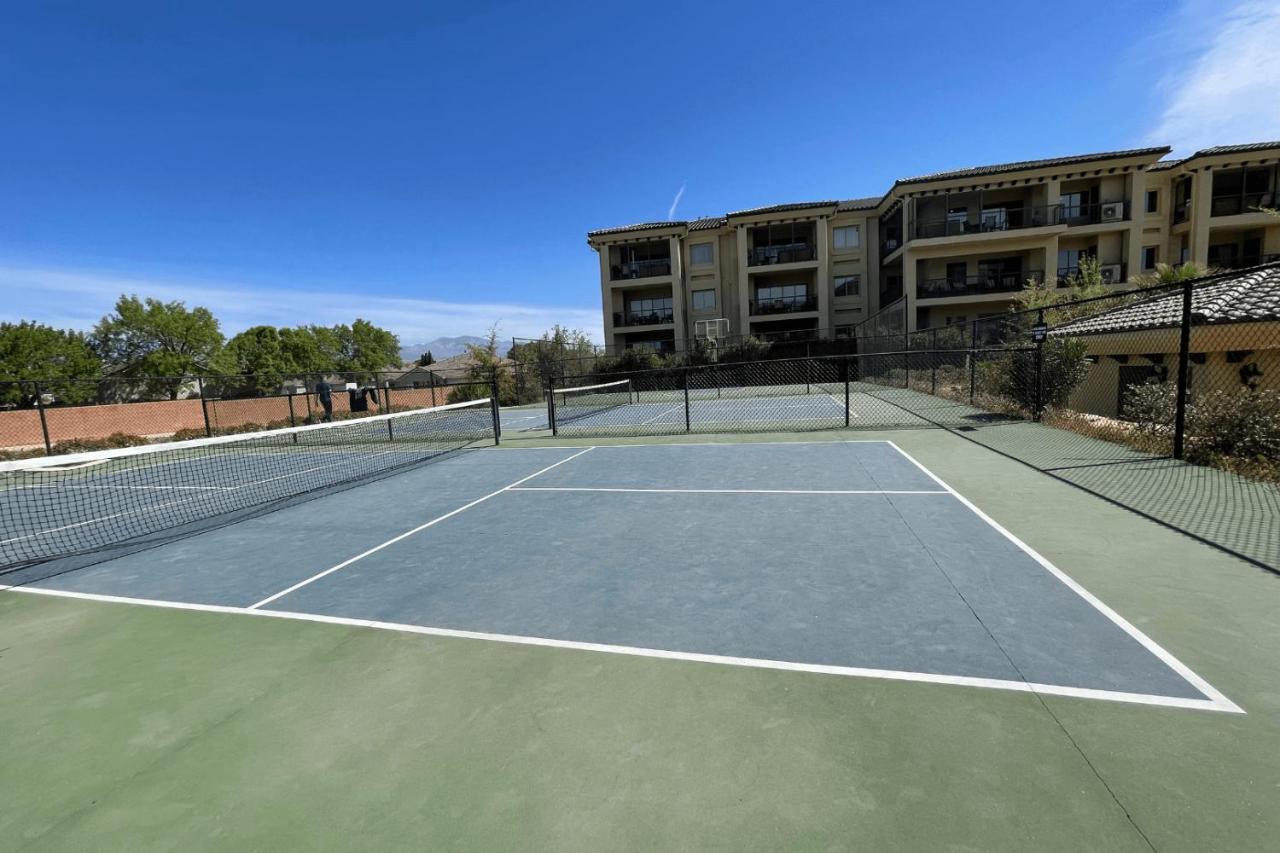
1243	261
622	319
992	220
1181	211
783	305
791	253
640	269
1233	205
1111	274
1093	214
982	284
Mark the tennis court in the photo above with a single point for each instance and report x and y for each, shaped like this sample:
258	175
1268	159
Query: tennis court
395	628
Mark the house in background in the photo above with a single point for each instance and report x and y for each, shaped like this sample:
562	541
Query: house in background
1235	340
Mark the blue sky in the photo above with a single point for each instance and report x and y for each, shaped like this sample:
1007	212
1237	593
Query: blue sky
435	170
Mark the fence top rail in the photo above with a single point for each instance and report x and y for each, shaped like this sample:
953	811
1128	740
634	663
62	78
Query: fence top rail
697	368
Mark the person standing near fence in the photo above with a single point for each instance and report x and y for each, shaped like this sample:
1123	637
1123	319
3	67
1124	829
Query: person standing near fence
324	393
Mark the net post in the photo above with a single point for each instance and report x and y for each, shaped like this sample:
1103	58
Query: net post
846	364
551	403
1184	374
688	421
494	408
1038	402
204	406
44	422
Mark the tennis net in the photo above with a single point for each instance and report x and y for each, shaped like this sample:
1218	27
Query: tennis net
85	503
569	404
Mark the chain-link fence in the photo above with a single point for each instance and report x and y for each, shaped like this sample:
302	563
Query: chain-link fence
70	415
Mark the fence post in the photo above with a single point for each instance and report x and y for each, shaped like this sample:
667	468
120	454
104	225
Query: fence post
906	360
306	394
432	380
973	360
688	421
386	396
204	406
933	361
1184	374
1037	404
293	421
848	365
495	407
551	404
44	423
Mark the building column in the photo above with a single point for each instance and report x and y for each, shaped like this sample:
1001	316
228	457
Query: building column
909	287
606	295
822	277
1201	205
1051	258
871	254
743	286
1137	216
678	293
1052	195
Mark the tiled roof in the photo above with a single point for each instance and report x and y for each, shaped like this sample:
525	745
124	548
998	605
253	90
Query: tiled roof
639	226
1251	295
1235	149
783	208
708	223
1022	165
1165	164
860	203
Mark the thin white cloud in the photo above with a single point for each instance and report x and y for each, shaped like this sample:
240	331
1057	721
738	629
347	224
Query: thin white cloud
675	202
77	299
1229	89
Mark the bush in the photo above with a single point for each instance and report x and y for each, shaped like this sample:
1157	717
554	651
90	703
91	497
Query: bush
1151	407
1013	374
1244	424
116	439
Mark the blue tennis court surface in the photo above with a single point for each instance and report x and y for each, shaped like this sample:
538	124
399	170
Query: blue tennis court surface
832	557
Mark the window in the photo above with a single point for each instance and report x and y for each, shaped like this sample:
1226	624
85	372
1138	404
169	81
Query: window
848	285
1150	256
782	291
848	237
704	300
701	254
1153	201
1072	205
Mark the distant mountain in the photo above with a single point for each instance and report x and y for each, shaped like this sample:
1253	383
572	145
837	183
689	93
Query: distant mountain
441	348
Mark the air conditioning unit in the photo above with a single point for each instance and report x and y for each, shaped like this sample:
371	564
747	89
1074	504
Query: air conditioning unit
1111	273
1112	211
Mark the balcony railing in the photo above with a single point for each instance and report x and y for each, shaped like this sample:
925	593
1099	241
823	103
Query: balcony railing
993	220
784	305
975	285
1092	214
1244	261
789	254
1111	274
1182	211
640	269
1231	205
642	318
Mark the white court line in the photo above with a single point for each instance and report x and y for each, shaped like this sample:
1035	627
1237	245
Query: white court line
843	407
660	414
376	548
737	491
664	654
1221	702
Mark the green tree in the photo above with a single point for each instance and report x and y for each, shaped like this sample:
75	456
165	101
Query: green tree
486	365
364	348
304	351
157	342
35	351
257	352
426	359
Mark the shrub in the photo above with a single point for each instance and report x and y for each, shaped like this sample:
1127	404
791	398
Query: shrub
1150	407
1013	374
116	439
1243	424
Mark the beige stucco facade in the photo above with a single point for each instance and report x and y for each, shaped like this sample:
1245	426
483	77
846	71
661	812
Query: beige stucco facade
956	245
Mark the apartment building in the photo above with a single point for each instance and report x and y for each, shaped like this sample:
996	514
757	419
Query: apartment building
956	245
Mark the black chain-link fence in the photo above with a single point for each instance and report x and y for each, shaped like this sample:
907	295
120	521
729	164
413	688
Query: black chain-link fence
69	415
